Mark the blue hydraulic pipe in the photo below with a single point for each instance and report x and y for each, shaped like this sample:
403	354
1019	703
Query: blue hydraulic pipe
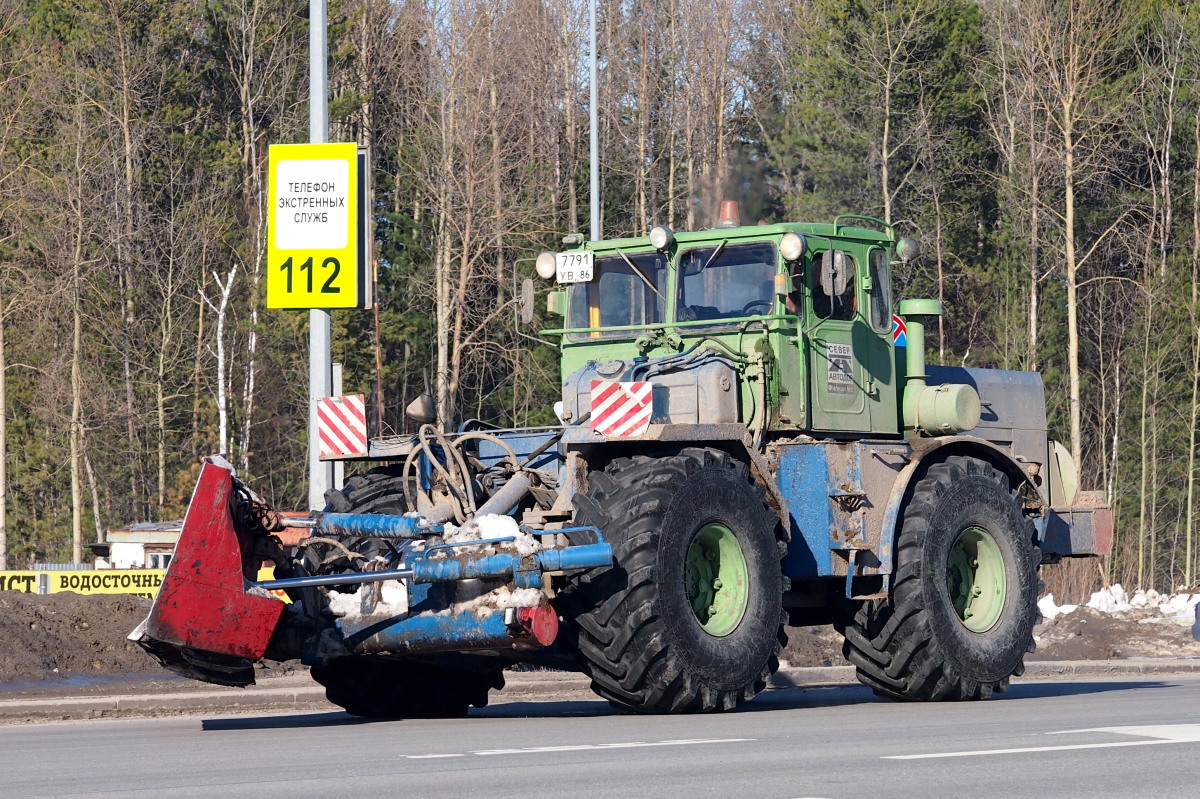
374	525
427	570
584	556
427	632
423	569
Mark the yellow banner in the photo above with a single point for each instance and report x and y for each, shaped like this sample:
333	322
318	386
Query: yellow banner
138	582
23	582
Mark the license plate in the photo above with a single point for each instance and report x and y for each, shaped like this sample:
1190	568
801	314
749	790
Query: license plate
574	267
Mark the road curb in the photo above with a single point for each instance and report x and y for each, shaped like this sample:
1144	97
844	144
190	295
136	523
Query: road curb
298	693
800	676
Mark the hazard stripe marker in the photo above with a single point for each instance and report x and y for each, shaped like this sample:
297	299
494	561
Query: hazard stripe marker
621	408
342	426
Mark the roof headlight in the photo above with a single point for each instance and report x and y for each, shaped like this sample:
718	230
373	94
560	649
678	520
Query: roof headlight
792	247
661	237
545	265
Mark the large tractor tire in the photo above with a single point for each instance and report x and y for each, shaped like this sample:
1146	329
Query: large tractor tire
383	687
960	615
689	617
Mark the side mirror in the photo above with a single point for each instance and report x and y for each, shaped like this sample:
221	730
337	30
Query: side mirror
835	273
525	301
908	249
423	409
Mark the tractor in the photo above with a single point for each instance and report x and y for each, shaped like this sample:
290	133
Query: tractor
749	439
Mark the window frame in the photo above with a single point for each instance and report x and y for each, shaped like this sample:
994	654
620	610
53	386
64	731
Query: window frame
658	297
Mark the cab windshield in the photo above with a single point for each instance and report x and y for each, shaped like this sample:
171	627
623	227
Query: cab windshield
624	291
728	281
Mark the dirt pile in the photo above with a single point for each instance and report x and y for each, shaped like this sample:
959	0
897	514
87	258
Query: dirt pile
66	634
1088	634
1083	634
813	646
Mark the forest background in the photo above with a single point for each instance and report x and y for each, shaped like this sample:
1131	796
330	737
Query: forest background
1047	153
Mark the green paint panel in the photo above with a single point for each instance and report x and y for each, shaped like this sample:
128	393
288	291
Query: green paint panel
828	361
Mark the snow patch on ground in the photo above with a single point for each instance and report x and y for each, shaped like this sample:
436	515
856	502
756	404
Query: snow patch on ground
1151	606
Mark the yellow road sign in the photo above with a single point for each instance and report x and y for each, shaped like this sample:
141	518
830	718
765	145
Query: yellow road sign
315	237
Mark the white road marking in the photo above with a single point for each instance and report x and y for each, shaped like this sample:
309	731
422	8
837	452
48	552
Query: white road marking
586	747
1157	733
1169	733
620	745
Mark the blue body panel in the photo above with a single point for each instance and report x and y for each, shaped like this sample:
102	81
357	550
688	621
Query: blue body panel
427	632
523	443
803	471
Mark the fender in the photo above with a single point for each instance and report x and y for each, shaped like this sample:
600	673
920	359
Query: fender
928	451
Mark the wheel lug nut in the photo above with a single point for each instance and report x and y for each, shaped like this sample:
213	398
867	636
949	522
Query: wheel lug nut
976	591
717	584
968	613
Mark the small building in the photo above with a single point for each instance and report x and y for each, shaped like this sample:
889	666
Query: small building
149	545
145	545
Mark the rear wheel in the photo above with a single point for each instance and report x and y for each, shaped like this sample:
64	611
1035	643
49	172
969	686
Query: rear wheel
374	686
960	616
689	617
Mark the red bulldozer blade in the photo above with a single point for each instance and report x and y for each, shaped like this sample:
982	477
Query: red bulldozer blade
204	624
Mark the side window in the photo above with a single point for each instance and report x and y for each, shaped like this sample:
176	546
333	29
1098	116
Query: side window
839	306
881	291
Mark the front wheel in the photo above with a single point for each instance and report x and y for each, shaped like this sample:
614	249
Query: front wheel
689	617
960	616
384	688
376	686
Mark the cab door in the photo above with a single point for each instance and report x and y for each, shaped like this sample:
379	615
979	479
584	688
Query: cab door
838	386
849	342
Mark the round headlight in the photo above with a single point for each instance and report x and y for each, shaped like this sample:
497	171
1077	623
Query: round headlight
545	266
661	237
908	249
793	246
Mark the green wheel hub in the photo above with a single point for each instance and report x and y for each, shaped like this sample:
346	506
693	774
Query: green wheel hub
976	580
716	579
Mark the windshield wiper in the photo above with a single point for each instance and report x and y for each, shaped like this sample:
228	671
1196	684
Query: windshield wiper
716	254
638	272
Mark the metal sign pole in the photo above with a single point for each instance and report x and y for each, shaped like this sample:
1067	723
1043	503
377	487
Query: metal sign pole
320	473
595	134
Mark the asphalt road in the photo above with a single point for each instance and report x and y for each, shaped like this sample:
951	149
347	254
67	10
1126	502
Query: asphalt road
1088	737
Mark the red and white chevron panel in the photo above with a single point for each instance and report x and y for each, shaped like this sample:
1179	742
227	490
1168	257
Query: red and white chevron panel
621	409
342	424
